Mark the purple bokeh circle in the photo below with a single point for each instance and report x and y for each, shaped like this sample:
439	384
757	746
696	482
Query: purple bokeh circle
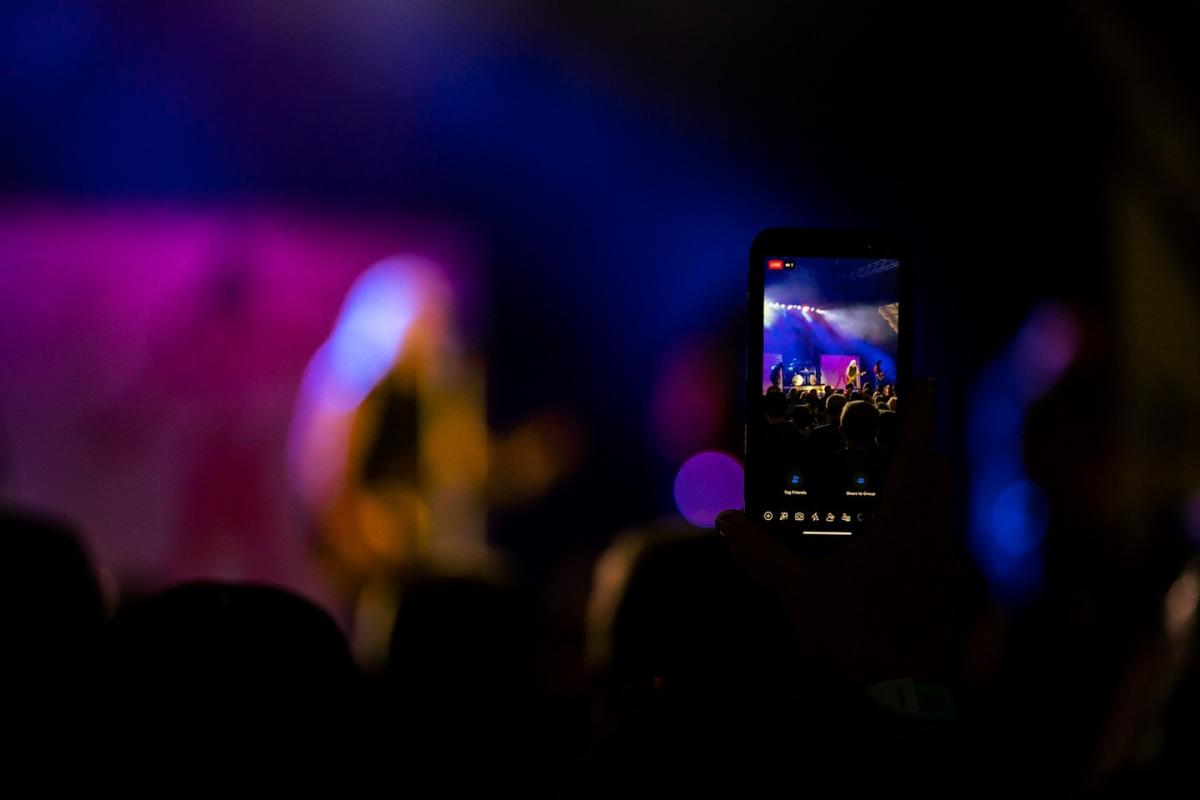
707	484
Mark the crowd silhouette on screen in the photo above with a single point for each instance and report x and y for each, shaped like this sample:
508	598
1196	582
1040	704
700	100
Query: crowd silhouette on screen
829	436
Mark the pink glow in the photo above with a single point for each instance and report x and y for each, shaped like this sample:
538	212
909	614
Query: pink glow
1191	517
150	358
687	404
1046	346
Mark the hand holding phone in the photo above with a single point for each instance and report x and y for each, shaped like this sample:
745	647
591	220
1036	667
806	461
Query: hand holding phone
883	606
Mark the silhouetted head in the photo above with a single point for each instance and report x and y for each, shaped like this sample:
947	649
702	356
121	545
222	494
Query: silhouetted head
775	407
53	606
833	408
459	637
860	424
802	417
203	656
461	683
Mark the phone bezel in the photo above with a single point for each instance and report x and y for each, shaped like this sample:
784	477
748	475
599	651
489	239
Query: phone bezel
801	243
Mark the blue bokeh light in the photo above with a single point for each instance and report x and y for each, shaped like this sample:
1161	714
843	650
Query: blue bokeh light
1009	513
1018	518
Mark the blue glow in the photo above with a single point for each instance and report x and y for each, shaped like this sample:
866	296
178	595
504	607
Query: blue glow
1018	518
367	338
666	212
1008	514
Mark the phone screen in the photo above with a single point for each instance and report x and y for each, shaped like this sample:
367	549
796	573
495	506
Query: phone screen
825	383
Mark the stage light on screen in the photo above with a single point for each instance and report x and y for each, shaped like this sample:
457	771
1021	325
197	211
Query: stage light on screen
707	484
770	313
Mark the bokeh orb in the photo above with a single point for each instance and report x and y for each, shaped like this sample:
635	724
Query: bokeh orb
707	484
1020	517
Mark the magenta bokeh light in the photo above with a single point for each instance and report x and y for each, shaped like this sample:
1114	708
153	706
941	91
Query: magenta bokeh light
687	403
1191	517
707	484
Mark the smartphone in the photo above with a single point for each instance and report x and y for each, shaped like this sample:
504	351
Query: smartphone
828	348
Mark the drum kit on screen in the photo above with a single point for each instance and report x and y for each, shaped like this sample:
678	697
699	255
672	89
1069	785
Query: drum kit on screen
802	376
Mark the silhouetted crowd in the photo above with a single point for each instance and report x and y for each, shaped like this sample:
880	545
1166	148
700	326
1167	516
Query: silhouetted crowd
684	673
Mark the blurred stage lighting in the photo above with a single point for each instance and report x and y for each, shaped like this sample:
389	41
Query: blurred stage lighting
1008	513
